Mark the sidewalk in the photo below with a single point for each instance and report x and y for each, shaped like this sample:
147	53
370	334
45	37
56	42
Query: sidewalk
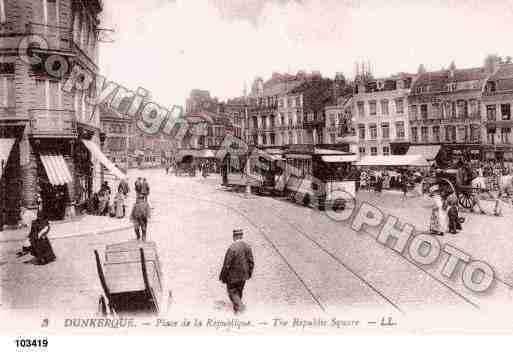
78	227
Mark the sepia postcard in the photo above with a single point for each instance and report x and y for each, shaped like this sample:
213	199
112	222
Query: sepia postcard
267	167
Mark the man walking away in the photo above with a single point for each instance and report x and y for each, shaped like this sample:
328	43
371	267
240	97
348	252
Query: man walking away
237	269
140	215
124	189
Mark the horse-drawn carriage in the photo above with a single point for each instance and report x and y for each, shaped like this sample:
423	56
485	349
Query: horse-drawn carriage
131	279
466	188
450	182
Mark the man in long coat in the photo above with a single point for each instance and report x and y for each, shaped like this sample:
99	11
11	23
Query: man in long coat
237	269
139	216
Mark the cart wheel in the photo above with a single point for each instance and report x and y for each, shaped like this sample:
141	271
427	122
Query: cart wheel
465	200
102	306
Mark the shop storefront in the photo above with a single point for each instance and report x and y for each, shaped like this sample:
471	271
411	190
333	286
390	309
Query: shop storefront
464	152
502	153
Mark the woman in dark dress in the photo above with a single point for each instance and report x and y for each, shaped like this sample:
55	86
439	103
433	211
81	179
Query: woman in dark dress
40	246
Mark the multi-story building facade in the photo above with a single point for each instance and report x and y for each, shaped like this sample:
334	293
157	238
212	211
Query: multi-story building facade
218	118
338	116
42	127
288	129
496	109
117	129
445	109
236	110
380	114
272	119
290	109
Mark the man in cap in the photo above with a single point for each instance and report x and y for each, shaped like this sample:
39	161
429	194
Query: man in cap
237	269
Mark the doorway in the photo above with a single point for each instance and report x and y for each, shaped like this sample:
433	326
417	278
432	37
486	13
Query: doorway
54	200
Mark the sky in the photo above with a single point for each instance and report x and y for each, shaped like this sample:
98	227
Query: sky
172	46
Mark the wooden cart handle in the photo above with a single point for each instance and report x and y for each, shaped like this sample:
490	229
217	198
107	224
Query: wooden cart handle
101	275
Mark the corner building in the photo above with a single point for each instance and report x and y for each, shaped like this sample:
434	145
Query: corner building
49	138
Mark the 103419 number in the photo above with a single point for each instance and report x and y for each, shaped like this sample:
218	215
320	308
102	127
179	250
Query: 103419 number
31	343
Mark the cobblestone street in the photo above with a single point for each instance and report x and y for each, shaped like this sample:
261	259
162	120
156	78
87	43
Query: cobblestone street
305	262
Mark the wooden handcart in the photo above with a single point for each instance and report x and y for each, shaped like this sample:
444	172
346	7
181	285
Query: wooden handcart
131	279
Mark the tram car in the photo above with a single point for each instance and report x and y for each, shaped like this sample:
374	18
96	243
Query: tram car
321	177
265	167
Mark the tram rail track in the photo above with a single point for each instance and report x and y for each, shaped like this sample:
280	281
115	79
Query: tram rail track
455	292
310	239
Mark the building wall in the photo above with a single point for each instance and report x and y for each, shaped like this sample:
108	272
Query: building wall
334	123
497	130
117	140
31	102
467	125
379	143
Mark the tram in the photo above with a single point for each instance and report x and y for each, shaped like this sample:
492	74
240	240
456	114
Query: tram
320	177
260	170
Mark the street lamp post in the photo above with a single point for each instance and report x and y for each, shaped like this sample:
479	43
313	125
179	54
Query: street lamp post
246	169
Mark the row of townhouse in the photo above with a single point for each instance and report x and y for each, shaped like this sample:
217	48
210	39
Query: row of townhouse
285	110
466	112
293	109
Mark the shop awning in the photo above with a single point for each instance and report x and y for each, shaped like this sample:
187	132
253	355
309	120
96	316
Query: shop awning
298	156
343	158
393	160
96	152
56	168
5	149
428	152
207	154
275	153
326	151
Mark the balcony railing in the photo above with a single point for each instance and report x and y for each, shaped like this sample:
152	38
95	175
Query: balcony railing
58	38
446	120
52	123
